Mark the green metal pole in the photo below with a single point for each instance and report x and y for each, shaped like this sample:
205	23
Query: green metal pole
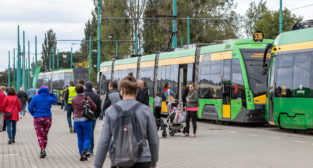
181	42
53	58
58	67
136	43
9	76
174	44
281	17
116	49
188	31
24	69
71	57
35	52
33	67
19	81
49	60
28	84
14	84
99	47
89	58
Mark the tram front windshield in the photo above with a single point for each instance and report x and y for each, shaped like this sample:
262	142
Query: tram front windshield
253	59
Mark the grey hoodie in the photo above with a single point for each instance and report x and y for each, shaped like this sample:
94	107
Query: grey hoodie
148	128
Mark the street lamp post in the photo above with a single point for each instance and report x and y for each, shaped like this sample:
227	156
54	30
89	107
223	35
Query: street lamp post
23	62
281	17
14	85
9	77
71	57
174	44
28	58
18	59
90	58
99	47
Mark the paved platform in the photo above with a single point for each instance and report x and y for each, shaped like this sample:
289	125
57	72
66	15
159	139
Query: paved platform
216	146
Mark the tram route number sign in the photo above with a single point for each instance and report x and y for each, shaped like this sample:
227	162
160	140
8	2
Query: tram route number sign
258	36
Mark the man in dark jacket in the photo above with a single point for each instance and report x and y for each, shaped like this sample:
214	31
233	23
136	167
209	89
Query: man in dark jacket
142	93
96	99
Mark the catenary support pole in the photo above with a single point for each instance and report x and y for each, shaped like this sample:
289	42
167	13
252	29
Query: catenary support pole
53	58
35	52
99	47
23	62
116	49
174	44
71	57
89	77
28	58
58	65
9	69
281	17
18	75
188	30
136	43
14	84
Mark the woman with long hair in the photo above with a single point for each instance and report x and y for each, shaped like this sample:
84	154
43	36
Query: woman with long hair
11	106
192	109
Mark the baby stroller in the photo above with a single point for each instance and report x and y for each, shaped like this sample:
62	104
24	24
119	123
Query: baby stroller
175	119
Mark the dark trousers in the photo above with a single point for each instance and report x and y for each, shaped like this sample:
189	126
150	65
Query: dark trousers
193	116
29	100
11	124
70	110
137	165
157	112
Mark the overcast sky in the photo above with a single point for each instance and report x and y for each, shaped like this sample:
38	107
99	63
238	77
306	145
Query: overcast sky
67	19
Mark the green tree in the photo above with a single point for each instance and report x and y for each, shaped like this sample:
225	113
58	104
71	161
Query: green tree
156	33
47	47
269	23
253	15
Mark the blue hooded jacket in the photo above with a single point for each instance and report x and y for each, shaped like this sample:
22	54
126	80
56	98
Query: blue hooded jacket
40	105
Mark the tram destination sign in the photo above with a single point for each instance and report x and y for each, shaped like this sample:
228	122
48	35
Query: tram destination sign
258	36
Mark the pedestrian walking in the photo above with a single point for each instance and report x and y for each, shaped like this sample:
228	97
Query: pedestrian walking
142	94
2	96
23	99
40	109
157	102
62	99
71	92
137	134
192	109
82	125
96	99
110	98
65	98
31	92
11	106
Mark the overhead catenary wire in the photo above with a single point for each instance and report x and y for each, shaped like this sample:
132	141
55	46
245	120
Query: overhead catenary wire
305	6
158	18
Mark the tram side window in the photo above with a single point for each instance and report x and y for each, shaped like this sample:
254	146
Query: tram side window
238	88
216	79
204	83
284	76
147	75
190	73
168	74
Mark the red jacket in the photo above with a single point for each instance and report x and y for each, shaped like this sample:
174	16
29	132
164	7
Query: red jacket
2	96
8	105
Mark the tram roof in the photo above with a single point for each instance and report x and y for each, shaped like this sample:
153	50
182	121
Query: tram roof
295	36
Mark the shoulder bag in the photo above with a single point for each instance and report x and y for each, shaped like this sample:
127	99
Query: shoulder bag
9	115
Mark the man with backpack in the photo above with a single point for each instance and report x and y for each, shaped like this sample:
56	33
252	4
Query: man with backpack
110	98
132	127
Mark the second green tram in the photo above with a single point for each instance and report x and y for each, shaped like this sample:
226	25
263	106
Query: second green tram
58	79
290	87
228	78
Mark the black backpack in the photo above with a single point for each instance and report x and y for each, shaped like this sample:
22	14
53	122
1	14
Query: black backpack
87	110
128	141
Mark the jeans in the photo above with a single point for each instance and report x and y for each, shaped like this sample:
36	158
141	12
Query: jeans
22	113
193	116
42	127
83	131
62	104
11	128
139	165
92	140
70	110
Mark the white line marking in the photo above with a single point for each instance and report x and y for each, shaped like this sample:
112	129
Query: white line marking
233	132
274	138
252	135
8	155
300	141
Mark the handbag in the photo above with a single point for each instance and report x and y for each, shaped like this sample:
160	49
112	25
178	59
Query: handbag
9	115
169	97
87	111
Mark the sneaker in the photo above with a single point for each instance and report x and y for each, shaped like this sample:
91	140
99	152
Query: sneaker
71	130
89	154
43	154
10	142
84	156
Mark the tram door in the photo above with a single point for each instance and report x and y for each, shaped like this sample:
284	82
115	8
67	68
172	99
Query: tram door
227	86
182	81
